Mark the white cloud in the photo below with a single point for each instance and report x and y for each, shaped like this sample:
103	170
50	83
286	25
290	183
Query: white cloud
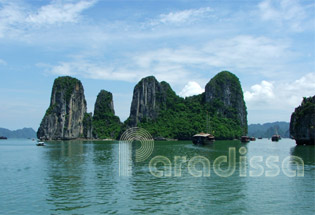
260	55
190	89
276	100
184	16
293	92
280	95
58	12
118	72
90	70
17	18
240	54
64	69
10	15
284	12
260	92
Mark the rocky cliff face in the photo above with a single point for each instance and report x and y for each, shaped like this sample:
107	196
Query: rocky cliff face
65	115
105	123
157	108
88	126
302	125
224	93
104	104
149	97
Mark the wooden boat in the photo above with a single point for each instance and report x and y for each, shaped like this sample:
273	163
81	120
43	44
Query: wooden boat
203	139
275	138
252	139
40	144
3	138
245	139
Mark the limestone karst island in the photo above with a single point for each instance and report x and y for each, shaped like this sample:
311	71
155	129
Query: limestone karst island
220	110
157	107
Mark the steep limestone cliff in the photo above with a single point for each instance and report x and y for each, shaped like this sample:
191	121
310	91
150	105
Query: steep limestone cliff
105	123
149	98
65	115
157	108
224	94
88	126
302	124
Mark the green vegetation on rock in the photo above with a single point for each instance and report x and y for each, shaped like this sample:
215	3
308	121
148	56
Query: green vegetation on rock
105	123
180	118
67	83
302	124
64	116
220	110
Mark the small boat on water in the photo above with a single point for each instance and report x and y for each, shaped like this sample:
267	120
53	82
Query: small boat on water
252	139
259	138
203	139
40	144
275	138
3	138
245	139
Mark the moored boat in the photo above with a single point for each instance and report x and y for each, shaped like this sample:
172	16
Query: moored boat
3	138
259	138
275	138
203	139
40	144
252	139
245	139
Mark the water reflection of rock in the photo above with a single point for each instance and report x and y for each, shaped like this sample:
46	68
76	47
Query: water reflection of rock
104	160
66	174
306	152
181	192
303	188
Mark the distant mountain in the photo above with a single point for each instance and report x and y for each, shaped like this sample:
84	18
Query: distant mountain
20	133
269	129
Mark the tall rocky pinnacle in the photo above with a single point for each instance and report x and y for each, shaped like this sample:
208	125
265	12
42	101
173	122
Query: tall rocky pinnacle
149	97
224	92
302	124
105	123
66	115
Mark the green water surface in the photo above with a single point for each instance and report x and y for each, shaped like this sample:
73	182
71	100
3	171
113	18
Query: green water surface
82	177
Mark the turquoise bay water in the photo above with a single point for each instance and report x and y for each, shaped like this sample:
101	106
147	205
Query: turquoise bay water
82	177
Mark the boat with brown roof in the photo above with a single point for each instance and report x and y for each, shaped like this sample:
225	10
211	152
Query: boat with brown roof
203	139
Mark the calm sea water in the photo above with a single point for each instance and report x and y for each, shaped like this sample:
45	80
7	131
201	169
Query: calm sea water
78	177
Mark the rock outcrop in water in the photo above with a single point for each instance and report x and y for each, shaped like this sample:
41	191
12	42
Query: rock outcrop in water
221	110
302	124
157	108
149	98
66	115
105	123
224	93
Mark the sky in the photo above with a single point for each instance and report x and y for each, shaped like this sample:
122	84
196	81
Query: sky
112	44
